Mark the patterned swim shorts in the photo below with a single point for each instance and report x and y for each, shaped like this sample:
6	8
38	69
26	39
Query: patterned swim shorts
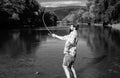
68	59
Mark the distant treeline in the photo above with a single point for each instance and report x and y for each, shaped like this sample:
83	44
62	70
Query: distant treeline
97	11
107	11
24	13
61	12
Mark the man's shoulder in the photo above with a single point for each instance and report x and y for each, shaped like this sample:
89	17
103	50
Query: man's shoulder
73	33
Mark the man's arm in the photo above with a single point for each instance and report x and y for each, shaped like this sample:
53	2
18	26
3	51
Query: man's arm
60	37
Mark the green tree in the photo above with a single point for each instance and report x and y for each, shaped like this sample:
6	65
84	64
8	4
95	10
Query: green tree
107	11
17	10
22	13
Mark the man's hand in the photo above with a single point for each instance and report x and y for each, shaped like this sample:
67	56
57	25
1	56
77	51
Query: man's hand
53	35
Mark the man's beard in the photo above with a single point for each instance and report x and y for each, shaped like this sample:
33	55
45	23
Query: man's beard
70	30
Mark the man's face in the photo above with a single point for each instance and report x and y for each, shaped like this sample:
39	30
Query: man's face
71	27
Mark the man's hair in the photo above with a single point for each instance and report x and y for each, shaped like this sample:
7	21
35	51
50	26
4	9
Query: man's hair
76	27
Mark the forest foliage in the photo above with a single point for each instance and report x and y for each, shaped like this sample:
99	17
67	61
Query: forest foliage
97	11
24	13
107	11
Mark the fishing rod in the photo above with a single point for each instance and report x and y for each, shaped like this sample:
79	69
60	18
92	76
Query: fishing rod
45	23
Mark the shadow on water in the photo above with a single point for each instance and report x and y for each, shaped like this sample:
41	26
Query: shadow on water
15	42
17	51
18	47
105	45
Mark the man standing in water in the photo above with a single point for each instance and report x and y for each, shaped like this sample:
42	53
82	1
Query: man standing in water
69	51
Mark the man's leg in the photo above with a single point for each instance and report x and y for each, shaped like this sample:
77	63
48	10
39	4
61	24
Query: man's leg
66	66
73	71
67	72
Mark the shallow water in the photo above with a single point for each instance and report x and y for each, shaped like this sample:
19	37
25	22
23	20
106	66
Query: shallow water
25	52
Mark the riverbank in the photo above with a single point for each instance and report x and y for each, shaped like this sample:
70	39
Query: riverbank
116	26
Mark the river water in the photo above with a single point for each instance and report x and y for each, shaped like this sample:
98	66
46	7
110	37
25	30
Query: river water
25	52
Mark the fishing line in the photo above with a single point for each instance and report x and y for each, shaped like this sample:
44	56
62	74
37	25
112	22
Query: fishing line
45	23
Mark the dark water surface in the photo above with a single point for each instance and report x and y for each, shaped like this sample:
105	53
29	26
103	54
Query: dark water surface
22	53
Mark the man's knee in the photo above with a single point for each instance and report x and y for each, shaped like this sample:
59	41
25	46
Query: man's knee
64	66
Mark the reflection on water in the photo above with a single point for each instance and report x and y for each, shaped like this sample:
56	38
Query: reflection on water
23	52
